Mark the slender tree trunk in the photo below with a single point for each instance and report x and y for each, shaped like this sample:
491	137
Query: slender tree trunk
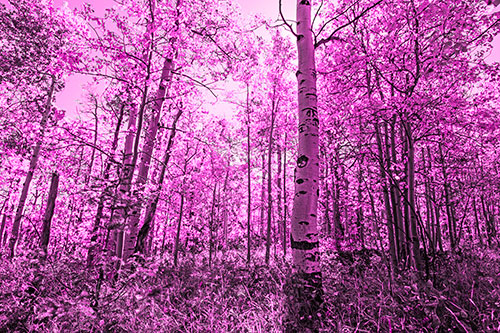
153	205
359	210
385	190
411	200
210	229
478	229
5	211
31	170
125	184
448	203
269	184
249	184
406	199
263	196
178	233
328	225
102	198
307	294
147	153
224	209
396	197
49	212
279	232
285	202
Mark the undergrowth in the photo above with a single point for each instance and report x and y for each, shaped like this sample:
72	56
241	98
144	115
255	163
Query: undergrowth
63	296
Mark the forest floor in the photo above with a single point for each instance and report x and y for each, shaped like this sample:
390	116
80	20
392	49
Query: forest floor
463	295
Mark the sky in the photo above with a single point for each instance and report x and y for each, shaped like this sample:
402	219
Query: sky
68	98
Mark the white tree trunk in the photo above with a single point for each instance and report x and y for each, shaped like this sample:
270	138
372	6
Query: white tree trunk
147	153
304	227
31	171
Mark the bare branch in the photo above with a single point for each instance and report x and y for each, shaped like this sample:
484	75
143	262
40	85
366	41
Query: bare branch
286	22
332	35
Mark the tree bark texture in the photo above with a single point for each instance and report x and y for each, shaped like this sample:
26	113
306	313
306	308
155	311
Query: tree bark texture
307	294
49	212
29	176
147	153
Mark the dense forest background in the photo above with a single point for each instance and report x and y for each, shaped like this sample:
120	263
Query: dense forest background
227	173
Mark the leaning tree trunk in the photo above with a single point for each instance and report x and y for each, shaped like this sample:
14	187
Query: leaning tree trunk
49	212
153	205
307	294
31	170
147	153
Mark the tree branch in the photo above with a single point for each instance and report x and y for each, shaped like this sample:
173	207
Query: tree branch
286	22
332	35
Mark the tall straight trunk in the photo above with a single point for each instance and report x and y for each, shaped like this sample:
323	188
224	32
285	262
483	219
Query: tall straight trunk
285	201
327	225
263	195
279	231
411	200
211	229
178	233
307	293
396	198
147	153
31	170
125	184
269	184
359	210
224	209
406	199
153	205
100	205
385	190
94	144
428	204
249	184
49	212
338	229
449	208
476	218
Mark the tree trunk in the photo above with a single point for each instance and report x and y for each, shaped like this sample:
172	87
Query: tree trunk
385	190
178	233
211	228
478	229
411	200
249	184
147	153
262	196
102	198
269	183
307	292
278	194
31	170
153	205
285	202
449	208
125	183
396	198
49	212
